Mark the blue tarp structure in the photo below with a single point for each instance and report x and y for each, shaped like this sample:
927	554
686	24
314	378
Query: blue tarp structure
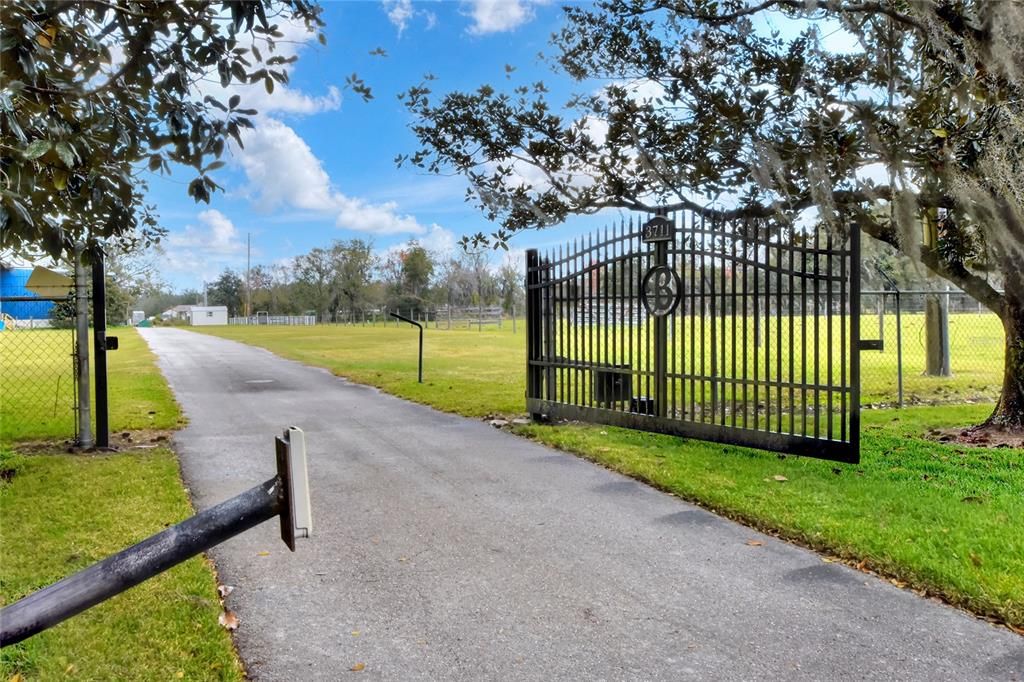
13	283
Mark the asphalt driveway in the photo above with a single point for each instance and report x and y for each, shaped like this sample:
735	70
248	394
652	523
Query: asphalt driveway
446	549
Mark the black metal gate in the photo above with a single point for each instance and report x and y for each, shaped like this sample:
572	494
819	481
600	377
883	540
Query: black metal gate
741	332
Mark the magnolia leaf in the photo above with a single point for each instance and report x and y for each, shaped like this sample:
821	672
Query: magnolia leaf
939	132
66	153
60	179
37	148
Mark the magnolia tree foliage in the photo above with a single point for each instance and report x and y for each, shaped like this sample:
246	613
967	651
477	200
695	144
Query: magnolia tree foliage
745	108
96	93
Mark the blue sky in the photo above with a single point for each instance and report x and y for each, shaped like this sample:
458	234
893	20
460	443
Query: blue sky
320	164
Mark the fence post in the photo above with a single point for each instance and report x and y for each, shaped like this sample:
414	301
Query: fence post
82	349
99	340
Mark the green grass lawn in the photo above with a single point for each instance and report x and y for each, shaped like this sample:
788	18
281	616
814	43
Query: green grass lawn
942	518
61	512
36	398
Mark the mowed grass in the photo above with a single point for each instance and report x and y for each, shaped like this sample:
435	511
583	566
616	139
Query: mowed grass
943	519
36	393
61	512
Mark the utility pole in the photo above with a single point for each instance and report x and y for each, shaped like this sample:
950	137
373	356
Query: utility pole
248	281
82	349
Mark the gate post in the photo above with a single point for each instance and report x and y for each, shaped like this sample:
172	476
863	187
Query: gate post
661	343
99	335
534	322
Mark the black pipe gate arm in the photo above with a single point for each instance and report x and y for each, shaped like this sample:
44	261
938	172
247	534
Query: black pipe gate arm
285	495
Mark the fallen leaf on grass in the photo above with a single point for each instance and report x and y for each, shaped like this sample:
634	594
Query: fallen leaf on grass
225	590
357	667
70	669
180	674
228	620
777	477
975	559
755	543
16	677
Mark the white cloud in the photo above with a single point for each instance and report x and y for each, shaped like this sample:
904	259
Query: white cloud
497	16
399	13
216	234
205	249
283	172
438	239
284	100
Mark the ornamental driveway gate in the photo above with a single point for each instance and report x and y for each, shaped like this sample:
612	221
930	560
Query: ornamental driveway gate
739	332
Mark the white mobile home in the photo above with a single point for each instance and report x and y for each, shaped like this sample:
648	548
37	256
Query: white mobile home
200	315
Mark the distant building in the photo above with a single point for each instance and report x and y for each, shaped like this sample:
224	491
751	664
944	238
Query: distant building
197	315
203	315
178	312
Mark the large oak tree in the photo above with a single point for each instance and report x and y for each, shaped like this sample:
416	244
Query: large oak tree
96	93
914	131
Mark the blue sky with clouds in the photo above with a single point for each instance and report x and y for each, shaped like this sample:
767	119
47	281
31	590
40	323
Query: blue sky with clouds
320	164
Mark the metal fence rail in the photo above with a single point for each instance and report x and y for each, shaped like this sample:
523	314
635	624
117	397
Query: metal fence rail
896	372
261	319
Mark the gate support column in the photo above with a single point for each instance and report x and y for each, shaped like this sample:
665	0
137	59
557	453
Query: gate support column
661	343
99	346
534	320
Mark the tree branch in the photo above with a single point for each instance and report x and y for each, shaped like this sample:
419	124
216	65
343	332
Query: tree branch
972	284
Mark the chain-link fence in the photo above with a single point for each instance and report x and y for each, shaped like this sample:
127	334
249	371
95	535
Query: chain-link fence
933	347
37	368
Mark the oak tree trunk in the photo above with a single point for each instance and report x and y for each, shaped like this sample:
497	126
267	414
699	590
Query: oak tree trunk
1009	412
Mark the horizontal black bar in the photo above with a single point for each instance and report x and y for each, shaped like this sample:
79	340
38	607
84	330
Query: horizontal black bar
819	448
76	593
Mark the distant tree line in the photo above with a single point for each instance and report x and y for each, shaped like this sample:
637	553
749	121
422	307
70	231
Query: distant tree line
348	278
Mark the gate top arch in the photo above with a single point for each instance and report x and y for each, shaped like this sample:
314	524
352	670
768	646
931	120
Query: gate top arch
741	332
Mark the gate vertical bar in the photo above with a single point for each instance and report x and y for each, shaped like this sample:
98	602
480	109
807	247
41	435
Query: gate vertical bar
549	315
661	342
854	350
